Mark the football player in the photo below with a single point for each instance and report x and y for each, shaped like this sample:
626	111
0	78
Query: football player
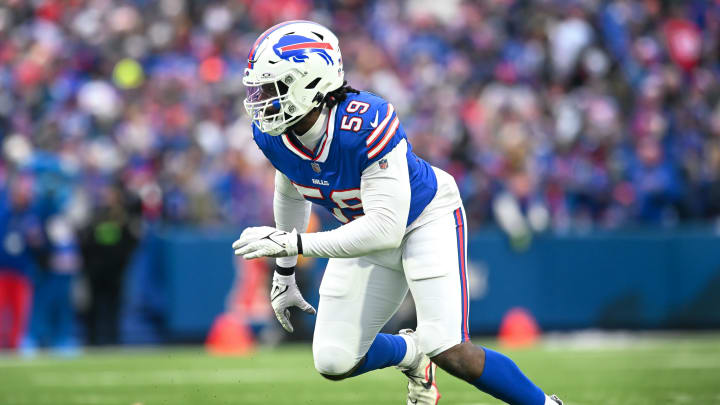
402	224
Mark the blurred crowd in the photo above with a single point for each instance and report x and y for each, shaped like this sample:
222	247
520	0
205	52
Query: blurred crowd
600	112
551	114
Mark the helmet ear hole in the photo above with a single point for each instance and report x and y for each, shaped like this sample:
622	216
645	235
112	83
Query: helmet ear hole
313	83
282	88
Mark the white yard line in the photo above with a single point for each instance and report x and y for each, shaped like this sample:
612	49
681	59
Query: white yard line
598	340
110	378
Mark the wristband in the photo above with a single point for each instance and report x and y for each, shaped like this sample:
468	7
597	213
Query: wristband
285	271
299	244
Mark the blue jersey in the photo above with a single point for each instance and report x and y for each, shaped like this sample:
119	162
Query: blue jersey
360	131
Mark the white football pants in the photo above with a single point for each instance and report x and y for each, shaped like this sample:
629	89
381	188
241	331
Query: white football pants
359	295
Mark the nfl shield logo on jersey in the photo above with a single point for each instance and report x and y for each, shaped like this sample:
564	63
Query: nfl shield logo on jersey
315	167
383	163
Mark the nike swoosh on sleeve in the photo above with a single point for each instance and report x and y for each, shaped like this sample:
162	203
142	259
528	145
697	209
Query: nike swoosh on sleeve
374	124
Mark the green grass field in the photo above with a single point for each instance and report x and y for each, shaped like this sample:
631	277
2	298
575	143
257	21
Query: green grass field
635	370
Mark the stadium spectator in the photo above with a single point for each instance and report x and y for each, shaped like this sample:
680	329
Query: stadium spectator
54	252
16	235
107	243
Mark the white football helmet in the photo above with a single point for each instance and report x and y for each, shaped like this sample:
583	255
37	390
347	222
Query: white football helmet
291	67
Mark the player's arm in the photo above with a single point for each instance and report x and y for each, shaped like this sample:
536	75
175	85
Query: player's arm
385	194
386	201
291	211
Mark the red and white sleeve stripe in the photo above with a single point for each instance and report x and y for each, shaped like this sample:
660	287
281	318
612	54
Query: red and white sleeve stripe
385	139
380	128
383	133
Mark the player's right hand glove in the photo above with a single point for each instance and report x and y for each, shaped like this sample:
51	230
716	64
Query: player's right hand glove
266	241
284	294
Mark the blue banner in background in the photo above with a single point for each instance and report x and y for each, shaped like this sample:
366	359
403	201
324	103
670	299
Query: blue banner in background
635	280
645	279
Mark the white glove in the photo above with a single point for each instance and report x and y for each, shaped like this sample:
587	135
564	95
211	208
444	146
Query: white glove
266	241
285	294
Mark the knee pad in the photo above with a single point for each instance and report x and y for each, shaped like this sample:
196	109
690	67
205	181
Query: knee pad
333	360
434	338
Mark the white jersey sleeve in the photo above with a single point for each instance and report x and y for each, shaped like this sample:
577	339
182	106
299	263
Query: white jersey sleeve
385	194
291	211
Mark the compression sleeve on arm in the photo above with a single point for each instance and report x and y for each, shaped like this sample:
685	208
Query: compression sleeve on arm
385	194
291	211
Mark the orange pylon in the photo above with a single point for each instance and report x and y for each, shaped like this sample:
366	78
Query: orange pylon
518	329
229	336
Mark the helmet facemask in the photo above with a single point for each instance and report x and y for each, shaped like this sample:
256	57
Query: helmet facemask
269	106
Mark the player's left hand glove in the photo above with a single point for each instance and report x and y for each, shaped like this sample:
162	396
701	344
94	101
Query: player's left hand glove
284	295
266	241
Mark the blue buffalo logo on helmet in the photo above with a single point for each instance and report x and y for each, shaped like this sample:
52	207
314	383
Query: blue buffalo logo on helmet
296	48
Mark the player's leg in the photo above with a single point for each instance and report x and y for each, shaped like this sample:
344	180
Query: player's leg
357	298
434	259
493	373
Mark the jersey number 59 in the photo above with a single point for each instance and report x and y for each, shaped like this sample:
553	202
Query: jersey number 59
347	202
354	124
